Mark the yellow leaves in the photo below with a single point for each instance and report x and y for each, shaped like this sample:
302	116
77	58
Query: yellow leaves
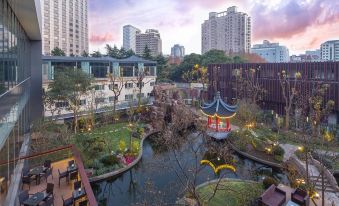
298	75
328	136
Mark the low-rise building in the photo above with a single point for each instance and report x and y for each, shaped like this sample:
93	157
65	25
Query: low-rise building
271	52
102	96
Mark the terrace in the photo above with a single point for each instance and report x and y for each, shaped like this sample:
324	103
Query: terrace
64	159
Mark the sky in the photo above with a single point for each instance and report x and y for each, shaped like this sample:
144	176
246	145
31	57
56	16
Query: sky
298	24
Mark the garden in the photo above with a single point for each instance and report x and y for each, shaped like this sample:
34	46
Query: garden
230	192
109	147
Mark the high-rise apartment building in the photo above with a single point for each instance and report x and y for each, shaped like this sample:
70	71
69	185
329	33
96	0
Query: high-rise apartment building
151	39
229	31
129	37
20	89
178	51
271	52
330	51
65	25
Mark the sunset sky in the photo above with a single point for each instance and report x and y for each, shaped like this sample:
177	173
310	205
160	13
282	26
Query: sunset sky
298	24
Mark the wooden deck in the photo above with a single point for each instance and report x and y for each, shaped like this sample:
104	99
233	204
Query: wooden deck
289	190
65	190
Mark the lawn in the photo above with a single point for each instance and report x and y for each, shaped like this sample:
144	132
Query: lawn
99	147
230	193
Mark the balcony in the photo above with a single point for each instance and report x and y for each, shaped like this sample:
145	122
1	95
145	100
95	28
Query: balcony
33	166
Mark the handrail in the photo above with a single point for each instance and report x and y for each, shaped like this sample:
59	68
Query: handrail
89	192
36	155
8	91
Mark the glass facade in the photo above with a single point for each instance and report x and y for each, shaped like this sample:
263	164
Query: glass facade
15	84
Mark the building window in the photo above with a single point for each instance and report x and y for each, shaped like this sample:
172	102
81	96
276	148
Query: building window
99	87
111	99
129	97
128	85
140	95
83	102
61	104
152	84
99	100
142	84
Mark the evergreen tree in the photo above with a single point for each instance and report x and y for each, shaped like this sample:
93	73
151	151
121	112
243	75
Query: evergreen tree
96	54
84	54
122	53
57	52
129	53
147	53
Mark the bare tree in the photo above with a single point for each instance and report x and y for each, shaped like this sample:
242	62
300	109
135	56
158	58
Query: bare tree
117	83
140	83
289	91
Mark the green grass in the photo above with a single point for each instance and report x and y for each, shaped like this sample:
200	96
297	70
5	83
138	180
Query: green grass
230	193
121	132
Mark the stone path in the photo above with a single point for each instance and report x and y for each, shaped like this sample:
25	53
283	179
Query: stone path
289	150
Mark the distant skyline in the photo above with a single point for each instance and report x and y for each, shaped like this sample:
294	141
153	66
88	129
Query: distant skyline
300	26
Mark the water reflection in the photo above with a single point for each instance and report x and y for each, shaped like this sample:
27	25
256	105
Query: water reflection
159	178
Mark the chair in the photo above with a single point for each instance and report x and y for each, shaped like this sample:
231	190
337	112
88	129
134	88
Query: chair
48	202
83	203
70	163
273	196
63	175
23	196
47	173
77	185
47	163
49	191
73	176
301	197
26	180
67	202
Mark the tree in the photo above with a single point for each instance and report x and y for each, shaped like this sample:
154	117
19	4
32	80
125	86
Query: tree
129	53
247	85
49	100
147	53
112	51
117	83
84	54
319	111
289	91
140	83
162	72
69	85
96	54
57	52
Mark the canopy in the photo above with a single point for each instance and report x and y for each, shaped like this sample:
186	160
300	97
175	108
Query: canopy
219	108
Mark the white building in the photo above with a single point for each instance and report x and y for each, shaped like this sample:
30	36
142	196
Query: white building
64	25
229	31
152	39
102	95
129	37
271	52
330	51
178	51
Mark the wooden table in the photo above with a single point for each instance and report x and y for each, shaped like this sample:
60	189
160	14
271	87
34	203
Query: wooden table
35	199
36	171
72	168
77	194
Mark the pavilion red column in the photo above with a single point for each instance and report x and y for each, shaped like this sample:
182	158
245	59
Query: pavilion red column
228	126
216	123
209	122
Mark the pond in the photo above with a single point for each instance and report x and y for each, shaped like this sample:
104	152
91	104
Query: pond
155	180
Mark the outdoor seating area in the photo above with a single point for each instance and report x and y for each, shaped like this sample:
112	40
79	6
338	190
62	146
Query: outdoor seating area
283	195
57	183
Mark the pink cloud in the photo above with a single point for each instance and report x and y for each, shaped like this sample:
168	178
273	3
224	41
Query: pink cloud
102	38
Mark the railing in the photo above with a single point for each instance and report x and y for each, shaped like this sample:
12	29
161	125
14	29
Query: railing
37	158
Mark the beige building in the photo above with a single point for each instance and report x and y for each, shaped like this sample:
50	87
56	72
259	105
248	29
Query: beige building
64	25
229	31
152	39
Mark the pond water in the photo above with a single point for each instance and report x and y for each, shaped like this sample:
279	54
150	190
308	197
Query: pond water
157	178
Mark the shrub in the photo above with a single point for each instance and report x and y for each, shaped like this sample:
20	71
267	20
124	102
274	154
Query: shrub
140	132
268	181
278	151
109	160
122	146
279	158
135	147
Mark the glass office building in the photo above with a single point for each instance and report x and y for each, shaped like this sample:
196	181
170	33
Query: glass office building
20	86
